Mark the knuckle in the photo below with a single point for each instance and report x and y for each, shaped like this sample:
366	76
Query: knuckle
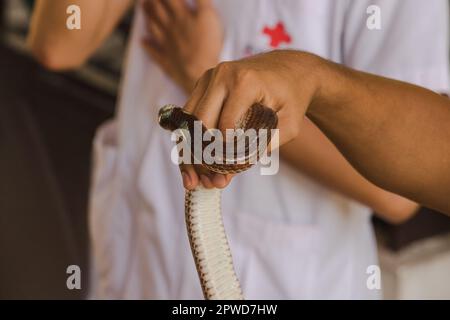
203	80
244	76
223	69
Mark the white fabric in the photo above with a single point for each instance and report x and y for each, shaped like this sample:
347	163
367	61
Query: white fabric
290	237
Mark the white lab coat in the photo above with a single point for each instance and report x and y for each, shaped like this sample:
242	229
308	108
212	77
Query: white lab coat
290	237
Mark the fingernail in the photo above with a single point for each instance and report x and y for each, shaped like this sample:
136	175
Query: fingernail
186	179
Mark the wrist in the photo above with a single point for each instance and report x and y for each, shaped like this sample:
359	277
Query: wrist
311	73
321	75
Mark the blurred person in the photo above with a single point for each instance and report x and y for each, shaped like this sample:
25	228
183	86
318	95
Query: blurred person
291	236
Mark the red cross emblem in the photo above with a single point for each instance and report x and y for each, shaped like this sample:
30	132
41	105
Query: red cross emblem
278	35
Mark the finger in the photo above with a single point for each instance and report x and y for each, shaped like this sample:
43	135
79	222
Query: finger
156	34
221	181
209	106
157	12
189	176
206	181
236	105
156	53
198	92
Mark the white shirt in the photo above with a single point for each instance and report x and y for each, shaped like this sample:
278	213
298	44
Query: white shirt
290	237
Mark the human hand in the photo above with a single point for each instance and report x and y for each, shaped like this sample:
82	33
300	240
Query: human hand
184	41
286	81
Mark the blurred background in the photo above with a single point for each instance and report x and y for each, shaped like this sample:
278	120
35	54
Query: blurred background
47	123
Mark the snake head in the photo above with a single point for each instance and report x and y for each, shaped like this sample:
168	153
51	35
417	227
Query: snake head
165	117
172	117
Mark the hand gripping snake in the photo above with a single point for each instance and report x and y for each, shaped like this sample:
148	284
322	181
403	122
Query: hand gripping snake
203	215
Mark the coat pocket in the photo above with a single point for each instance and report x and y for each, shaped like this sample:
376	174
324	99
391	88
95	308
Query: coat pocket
273	260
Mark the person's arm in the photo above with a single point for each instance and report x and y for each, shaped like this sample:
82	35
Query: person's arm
175	45
59	48
395	134
313	154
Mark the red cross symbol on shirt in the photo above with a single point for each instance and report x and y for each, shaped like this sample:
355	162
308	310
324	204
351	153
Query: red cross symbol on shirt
277	35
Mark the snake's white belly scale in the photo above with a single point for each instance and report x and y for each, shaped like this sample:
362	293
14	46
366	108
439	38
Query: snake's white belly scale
209	245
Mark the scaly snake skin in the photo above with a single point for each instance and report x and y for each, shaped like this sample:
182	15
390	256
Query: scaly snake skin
206	231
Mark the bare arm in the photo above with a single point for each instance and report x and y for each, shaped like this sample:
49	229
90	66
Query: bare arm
59	48
314	155
396	134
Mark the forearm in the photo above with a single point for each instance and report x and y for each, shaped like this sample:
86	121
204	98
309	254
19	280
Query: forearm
60	48
314	155
395	134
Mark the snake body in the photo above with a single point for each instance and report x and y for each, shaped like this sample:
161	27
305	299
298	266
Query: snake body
206	232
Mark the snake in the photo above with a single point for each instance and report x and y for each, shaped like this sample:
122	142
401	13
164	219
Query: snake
203	214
